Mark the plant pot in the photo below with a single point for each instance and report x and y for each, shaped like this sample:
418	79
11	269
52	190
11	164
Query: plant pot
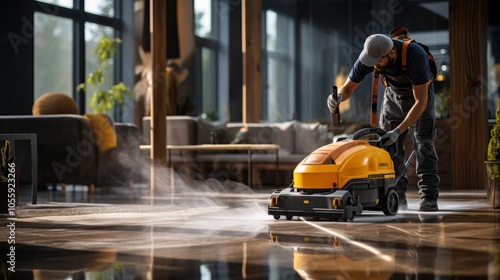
493	188
493	192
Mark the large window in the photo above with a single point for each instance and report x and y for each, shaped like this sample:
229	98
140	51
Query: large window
310	45
53	54
203	19
66	32
211	66
279	89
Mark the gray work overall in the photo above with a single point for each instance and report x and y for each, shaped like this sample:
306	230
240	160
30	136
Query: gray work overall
397	103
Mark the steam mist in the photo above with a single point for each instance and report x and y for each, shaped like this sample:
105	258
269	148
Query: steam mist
227	202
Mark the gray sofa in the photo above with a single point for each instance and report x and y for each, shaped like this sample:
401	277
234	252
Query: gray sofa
66	148
68	151
296	140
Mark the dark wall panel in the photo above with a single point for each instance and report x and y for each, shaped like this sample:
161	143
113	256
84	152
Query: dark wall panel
16	50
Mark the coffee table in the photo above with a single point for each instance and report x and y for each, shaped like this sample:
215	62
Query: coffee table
250	148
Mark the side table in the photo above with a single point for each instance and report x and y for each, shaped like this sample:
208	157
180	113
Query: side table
34	157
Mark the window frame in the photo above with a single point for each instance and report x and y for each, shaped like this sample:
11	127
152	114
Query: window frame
218	42
79	17
284	56
212	45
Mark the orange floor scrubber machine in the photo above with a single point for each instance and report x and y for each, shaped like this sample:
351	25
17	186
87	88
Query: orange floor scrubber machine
339	180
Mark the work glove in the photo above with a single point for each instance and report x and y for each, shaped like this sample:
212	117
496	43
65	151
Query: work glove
333	104
390	137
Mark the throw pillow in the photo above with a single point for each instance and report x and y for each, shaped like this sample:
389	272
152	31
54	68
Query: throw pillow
103	131
54	103
242	136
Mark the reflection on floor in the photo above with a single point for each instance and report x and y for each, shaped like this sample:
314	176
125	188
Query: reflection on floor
224	232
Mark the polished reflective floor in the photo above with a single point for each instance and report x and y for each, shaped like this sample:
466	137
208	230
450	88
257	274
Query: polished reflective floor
212	230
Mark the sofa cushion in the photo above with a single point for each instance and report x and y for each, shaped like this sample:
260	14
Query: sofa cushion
181	130
211	132
184	124
309	136
284	136
268	133
258	133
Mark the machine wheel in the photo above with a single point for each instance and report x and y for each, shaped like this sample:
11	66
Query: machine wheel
390	203
348	219
289	217
276	216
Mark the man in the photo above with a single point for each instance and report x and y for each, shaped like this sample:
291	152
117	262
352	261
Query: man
408	106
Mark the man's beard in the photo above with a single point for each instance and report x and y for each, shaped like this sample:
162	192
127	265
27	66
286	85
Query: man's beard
391	63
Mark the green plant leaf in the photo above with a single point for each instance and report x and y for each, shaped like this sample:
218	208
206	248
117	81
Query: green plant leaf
96	78
103	98
106	49
119	92
100	101
81	87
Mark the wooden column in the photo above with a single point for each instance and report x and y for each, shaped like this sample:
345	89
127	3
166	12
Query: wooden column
251	49
158	138
468	93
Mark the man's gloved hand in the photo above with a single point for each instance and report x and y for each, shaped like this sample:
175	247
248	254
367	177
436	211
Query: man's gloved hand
333	104
390	137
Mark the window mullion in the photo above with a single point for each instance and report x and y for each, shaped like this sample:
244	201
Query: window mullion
79	54
55	10
117	74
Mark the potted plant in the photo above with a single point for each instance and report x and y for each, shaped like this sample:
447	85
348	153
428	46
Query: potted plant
493	162
5	169
104	97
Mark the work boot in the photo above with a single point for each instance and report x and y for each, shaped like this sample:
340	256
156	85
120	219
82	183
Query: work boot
403	203
428	204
